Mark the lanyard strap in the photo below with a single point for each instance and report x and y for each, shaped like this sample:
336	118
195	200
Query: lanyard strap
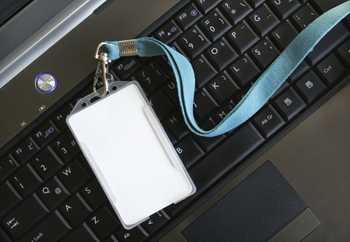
260	92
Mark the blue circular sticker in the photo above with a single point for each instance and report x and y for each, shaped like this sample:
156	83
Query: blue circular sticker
45	83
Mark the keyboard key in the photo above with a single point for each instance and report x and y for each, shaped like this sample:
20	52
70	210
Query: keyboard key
170	135
176	47
263	20
193	42
65	147
7	167
304	16
73	176
51	229
204	103
284	7
25	151
328	43
235	10
93	194
24	181
284	34
216	117
214	25
174	209
8	199
242	37
170	90
208	144
52	194
326	5
160	65
331	69
79	235
168	32
176	125
310	87
222	87
149	78
189	151
188	16
302	68
244	71
203	71
232	151
206	5
221	54
23	217
124	67
103	223
74	211
264	53
59	118
289	104
156	222
344	52
268	121
134	235
284	86
161	104
255	3
45	164
45	134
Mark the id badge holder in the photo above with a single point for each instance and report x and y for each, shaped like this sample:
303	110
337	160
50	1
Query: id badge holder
129	152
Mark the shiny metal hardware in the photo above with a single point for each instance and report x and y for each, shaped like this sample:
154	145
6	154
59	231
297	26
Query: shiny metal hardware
102	73
127	47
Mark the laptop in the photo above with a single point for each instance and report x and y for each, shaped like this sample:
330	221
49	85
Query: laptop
275	178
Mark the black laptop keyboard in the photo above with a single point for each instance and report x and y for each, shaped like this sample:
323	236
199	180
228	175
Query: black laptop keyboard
48	192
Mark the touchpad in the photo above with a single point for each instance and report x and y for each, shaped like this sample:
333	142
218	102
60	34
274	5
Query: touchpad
256	210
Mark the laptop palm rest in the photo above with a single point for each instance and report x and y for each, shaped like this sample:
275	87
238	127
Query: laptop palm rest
264	207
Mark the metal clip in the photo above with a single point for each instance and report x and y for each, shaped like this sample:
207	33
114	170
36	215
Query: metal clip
102	72
125	48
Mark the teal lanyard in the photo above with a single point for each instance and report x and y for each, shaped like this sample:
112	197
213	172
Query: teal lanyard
260	92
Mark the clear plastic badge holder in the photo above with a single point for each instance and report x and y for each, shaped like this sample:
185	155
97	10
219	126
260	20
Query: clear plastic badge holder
129	152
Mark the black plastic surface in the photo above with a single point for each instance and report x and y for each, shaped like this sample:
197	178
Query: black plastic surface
254	211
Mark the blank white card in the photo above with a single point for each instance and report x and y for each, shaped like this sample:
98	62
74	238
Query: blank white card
131	155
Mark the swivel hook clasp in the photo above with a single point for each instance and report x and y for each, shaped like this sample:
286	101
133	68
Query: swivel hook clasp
102	74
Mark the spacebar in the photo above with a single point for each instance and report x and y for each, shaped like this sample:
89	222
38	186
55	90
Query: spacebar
237	147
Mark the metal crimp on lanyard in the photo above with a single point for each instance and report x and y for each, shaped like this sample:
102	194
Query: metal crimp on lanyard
260	92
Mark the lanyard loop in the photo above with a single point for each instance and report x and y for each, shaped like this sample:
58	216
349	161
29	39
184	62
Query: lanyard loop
260	92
